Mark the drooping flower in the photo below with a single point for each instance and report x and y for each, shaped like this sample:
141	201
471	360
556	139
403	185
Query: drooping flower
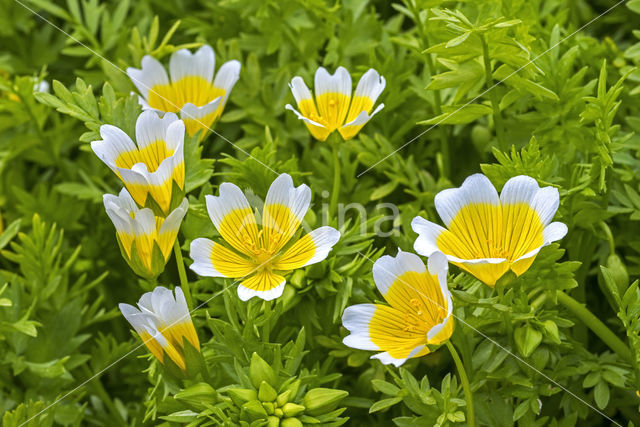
153	169
419	311
488	235
145	240
260	255
163	321
334	107
192	90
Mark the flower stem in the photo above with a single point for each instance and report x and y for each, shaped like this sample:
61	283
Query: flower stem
437	101
103	395
471	422
335	192
493	95
266	326
184	282
598	328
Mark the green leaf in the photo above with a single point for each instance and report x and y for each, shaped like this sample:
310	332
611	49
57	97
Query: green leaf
384	404
601	394
459	114
527	339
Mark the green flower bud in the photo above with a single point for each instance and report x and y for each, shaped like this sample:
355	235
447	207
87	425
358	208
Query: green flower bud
292	409
273	421
266	393
254	409
241	395
260	371
296	278
197	396
269	407
293	388
290	422
278	413
283	397
321	400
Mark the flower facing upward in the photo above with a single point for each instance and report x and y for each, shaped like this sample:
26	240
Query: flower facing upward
145	239
192	91
419	311
260	255
334	107
162	322
488	234
150	168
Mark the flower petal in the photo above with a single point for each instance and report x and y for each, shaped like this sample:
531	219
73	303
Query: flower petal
333	96
407	286
284	208
185	64
114	143
389	330
356	319
169	229
428	233
309	249
524	189
485	270
215	260
351	128
233	217
151	74
476	189
264	284
200	118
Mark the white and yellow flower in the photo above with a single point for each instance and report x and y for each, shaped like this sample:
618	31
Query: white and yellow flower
163	321
419	313
191	91
146	240
260	255
488	235
153	169
334	107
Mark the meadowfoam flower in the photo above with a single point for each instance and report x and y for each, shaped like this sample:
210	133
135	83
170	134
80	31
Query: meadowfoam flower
260	255
334	107
163	321
419	311
488	235
192	90
153	169
145	240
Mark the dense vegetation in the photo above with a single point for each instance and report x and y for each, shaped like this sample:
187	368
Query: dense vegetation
544	88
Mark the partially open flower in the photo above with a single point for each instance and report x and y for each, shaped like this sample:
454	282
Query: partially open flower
163	321
486	234
260	256
192	91
145	239
419	311
334	107
152	170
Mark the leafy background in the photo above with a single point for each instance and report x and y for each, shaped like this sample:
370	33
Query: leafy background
568	118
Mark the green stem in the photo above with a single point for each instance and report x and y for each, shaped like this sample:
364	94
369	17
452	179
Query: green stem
184	282
598	328
437	101
336	177
104	396
493	95
505	316
471	422
266	326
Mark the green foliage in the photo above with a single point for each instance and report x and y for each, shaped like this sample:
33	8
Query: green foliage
506	87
